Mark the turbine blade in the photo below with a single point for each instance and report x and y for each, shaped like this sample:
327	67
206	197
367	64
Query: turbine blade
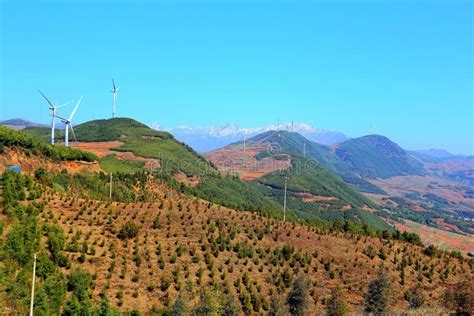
47	100
61	118
73	134
75	109
64	104
113	84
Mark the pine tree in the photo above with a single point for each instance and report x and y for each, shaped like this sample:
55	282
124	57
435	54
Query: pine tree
298	297
278	306
377	298
337	305
180	308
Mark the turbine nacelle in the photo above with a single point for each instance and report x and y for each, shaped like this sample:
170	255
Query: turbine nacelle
68	123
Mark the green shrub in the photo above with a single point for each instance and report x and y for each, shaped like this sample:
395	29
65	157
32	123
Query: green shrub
10	138
128	230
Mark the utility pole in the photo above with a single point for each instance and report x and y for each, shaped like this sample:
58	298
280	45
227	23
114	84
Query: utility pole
33	287
304	149
284	202
244	142
110	189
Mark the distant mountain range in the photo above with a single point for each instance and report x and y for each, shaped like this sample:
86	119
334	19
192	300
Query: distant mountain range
208	138
19	124
436	155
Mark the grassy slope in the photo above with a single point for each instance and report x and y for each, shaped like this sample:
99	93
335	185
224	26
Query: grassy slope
110	163
376	156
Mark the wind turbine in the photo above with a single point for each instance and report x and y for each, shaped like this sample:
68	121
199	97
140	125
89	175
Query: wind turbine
53	109
67	122
114	96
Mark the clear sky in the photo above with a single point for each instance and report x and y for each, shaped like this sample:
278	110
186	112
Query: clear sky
405	67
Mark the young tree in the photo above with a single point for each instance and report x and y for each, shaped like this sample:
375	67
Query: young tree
278	306
180	307
298	297
415	297
210	304
230	308
377	298
460	298
337	305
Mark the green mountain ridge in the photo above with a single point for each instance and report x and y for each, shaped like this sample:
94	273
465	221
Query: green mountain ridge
355	160
228	191
295	144
375	156
316	179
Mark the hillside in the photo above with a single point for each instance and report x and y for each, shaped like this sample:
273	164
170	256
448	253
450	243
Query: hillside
315	193
138	139
110	139
127	146
295	144
376	156
33	147
273	143
172	250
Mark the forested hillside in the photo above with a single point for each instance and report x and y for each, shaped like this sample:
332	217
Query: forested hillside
175	253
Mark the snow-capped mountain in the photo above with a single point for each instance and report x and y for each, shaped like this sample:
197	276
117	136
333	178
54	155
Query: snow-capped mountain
207	138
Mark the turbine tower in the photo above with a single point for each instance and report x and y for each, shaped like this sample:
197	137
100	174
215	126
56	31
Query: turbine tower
114	97
68	124
53	109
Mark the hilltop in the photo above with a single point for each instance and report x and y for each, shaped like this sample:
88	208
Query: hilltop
375	156
273	143
111	137
208	138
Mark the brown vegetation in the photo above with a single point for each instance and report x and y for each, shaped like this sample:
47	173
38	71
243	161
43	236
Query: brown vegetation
182	244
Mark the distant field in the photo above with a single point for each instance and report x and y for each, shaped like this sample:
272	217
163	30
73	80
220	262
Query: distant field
440	238
398	186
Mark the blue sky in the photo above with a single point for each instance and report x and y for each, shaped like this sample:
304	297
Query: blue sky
404	67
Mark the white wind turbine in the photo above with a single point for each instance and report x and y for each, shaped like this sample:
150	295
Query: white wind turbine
53	109
68	124
114	96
